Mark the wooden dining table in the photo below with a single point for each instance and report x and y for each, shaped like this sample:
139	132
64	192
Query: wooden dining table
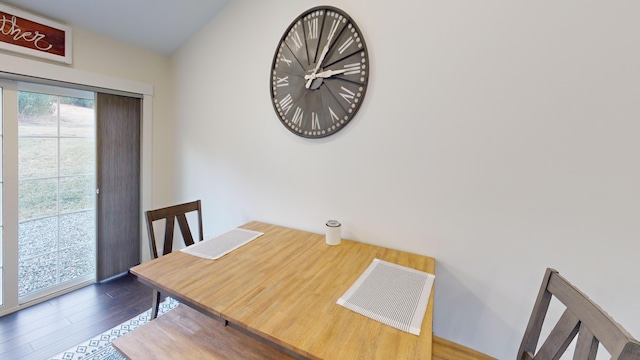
283	287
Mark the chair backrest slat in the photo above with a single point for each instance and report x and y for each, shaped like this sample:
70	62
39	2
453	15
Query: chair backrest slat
582	317
184	229
587	345
169	214
560	337
168	235
534	327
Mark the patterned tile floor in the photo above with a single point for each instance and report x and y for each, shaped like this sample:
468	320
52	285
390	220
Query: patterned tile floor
99	347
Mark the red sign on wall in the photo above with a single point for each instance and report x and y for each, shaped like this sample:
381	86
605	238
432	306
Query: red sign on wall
29	34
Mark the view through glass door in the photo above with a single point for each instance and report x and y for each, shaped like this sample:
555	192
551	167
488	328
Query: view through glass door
56	190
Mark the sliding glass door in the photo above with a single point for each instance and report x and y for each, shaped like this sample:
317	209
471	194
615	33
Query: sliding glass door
56	193
55	183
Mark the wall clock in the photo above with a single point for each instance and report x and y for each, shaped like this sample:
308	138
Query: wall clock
319	73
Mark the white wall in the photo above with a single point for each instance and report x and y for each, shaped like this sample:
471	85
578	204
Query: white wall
499	137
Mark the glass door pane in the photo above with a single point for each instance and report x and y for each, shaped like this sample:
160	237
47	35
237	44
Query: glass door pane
56	192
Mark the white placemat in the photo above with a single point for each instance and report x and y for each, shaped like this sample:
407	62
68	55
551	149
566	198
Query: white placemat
223	244
392	294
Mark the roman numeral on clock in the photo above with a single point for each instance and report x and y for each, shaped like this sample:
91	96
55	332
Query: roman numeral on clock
288	61
352	69
348	95
345	45
297	117
297	40
286	103
315	121
282	81
334	28
333	115
313	29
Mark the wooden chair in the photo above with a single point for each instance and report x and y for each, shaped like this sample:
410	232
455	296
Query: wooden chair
170	214
582	317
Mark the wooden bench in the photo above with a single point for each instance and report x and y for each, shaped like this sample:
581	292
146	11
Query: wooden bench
192	335
448	350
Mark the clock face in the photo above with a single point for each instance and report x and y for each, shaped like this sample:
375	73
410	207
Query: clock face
319	73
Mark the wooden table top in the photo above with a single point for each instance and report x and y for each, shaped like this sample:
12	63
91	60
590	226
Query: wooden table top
284	285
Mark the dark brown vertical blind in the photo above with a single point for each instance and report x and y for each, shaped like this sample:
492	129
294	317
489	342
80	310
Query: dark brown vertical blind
118	201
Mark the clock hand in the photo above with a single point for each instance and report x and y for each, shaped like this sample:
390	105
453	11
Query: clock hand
330	73
322	55
310	78
313	74
325	74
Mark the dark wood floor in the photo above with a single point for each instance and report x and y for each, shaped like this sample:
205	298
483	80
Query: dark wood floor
45	330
